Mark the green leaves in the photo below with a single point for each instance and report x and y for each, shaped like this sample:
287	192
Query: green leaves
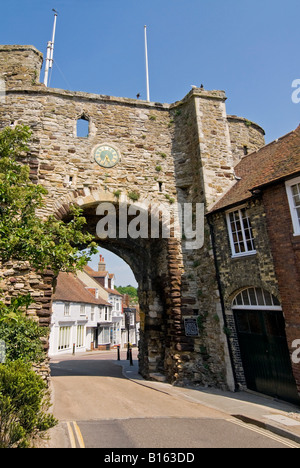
14	311
24	405
13	141
46	244
130	290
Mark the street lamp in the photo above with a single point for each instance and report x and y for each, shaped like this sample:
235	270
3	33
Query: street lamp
127	313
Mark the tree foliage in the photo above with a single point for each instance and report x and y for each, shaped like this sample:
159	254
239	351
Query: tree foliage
45	243
131	291
24	405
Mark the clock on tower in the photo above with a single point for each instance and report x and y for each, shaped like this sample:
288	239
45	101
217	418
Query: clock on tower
106	156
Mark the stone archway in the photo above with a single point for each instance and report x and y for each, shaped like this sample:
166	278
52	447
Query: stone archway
157	266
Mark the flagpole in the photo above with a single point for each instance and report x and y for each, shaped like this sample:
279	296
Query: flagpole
50	49
147	69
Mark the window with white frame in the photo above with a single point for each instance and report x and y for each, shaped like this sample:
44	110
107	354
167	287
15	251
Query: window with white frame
131	319
240	232
64	337
82	309
255	298
293	193
105	335
67	309
80	336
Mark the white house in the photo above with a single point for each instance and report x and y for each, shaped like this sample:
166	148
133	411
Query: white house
105	283
87	313
81	319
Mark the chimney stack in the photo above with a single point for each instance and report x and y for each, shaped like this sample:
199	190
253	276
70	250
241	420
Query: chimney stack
101	264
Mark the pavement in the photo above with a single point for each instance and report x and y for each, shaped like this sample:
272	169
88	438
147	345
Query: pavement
279	417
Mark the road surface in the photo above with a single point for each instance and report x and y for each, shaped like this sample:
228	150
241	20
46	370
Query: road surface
97	407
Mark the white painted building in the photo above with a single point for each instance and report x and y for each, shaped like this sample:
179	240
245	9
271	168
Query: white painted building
105	283
80	319
87	313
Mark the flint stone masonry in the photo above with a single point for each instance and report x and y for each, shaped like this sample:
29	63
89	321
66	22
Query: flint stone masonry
183	152
235	272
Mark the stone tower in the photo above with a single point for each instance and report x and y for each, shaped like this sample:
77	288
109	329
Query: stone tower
169	155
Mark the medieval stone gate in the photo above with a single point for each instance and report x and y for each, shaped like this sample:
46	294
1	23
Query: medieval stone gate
157	155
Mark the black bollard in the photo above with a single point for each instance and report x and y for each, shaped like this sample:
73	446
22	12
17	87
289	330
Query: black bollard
130	356
118	348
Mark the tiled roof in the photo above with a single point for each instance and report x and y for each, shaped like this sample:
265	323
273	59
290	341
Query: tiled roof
95	274
70	289
100	274
276	161
113	291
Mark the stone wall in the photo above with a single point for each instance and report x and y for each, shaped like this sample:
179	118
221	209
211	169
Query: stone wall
245	136
17	278
20	65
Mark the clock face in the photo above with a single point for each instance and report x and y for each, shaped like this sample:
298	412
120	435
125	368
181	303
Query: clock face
106	156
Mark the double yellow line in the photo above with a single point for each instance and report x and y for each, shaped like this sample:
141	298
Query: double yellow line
265	433
77	433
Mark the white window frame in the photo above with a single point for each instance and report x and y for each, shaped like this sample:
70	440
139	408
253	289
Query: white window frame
293	209
67	311
93	308
64	338
232	243
80	336
255	299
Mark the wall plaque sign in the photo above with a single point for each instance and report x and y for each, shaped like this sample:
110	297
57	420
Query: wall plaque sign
191	326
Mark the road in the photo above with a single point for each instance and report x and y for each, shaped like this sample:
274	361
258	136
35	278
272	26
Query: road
97	407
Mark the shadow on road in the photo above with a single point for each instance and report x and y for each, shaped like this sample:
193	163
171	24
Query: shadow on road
86	367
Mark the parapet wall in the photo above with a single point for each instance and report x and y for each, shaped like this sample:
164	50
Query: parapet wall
20	65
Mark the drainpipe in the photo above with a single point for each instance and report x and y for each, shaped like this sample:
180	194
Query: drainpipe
212	234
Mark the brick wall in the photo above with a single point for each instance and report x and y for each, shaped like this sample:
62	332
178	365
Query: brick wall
286	253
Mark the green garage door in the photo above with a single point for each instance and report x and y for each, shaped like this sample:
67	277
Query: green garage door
263	346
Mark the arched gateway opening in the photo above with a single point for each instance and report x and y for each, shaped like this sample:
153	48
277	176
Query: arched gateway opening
144	237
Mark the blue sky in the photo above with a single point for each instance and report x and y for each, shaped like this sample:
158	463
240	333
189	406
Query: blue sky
250	49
